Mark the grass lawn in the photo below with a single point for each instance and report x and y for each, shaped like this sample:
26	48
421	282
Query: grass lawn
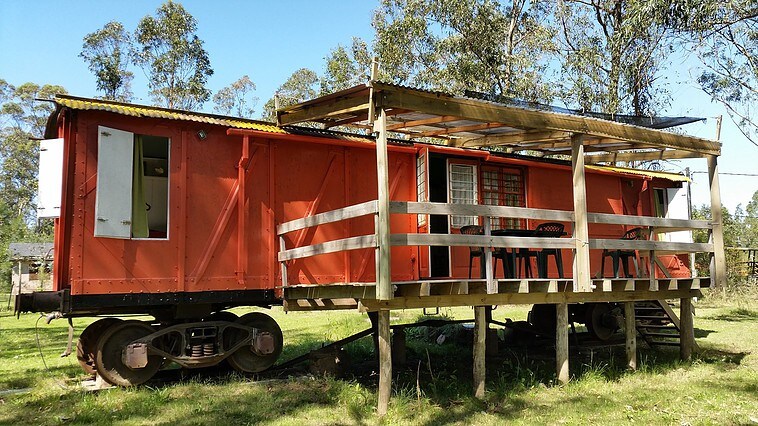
719	387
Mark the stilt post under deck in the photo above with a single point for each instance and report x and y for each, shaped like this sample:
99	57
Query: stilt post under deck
480	349
686	329
561	343
385	362
718	262
630	326
582	282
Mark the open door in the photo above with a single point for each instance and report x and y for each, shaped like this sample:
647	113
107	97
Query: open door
113	204
50	184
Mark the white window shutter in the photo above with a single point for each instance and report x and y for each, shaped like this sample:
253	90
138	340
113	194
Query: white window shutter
113	205
50	180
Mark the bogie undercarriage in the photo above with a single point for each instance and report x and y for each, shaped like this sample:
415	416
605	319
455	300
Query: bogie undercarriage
129	353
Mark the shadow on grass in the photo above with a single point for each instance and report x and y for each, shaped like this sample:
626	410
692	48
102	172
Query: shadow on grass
736	315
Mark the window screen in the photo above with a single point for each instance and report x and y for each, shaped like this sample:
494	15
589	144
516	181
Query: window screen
421	194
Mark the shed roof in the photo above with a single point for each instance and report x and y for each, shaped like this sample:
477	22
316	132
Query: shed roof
171	114
468	122
21	251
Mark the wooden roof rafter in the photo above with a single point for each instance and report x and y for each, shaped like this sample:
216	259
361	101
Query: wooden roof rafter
474	123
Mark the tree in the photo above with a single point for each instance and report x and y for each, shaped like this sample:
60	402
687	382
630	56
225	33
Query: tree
724	35
237	98
107	52
612	52
173	57
302	85
453	45
22	122
345	69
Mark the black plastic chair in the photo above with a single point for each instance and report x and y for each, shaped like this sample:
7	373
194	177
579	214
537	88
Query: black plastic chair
473	251
547	229
623	255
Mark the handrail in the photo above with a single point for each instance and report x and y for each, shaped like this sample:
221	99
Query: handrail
349	212
413	207
414	239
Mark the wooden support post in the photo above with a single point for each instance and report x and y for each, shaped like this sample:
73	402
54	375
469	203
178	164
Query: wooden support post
480	349
582	279
385	362
718	261
630	326
283	247
686	329
562	343
383	277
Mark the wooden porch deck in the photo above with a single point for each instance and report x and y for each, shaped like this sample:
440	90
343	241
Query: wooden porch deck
473	292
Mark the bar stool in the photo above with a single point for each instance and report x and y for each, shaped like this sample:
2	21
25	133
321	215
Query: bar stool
473	251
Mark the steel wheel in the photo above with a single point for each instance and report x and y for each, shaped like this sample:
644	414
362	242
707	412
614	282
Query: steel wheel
245	359
108	360
86	346
599	321
223	316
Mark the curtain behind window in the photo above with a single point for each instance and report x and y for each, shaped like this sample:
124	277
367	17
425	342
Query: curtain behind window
139	207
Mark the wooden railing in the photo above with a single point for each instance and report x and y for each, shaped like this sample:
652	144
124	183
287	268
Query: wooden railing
653	224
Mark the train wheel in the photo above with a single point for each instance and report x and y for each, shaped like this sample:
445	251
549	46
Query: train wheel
542	317
86	346
600	321
246	359
109	362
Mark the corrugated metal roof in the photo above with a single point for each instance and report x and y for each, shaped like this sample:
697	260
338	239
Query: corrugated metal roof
675	177
155	112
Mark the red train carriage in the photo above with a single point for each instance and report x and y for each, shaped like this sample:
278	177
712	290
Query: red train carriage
174	214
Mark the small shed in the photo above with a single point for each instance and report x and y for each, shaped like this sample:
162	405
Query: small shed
32	267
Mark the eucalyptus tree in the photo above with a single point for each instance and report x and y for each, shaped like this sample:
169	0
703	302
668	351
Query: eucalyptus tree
107	53
724	36
453	45
347	67
612	53
173	58
237	98
301	86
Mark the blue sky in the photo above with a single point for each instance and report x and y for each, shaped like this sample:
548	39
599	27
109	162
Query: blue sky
40	41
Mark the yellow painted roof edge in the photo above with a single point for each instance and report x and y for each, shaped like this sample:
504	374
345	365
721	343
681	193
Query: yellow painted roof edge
154	112
676	177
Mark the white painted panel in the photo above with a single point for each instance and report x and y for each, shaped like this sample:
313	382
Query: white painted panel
678	208
50	180
113	205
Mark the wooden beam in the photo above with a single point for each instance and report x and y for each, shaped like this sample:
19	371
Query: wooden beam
581	229
315	112
385	362
435	103
630	328
718	261
479	350
467	128
422	122
523	298
561	343
686	329
383	277
640	156
517	138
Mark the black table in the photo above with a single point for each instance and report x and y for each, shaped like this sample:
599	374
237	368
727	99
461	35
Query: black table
509	259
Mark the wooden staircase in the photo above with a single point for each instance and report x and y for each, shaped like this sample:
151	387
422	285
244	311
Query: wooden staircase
657	323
